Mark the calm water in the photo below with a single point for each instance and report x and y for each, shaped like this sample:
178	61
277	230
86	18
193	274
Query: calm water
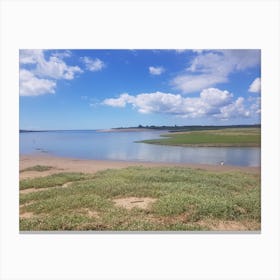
121	146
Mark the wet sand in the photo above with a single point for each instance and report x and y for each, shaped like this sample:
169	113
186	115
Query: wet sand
62	164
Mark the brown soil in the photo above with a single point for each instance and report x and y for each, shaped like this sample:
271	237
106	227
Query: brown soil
88	212
26	215
230	225
131	202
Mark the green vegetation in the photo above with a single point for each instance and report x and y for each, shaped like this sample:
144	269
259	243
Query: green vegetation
52	180
229	137
188	127
182	199
39	168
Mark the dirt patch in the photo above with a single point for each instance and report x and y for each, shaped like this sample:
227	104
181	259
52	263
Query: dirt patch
131	202
33	173
65	185
169	220
26	215
89	212
230	225
26	204
93	214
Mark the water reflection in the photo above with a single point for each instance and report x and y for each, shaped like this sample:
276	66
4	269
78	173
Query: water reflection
122	146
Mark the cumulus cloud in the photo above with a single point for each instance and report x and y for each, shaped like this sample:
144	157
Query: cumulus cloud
62	54
39	72
192	83
255	86
120	101
235	109
209	68
255	106
212	102
93	64
30	56
57	69
156	70
53	67
30	85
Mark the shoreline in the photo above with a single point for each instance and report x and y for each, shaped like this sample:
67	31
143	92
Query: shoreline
128	130
64	164
220	145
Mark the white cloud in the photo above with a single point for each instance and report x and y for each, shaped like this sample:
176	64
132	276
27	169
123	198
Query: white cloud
216	97
62	54
255	86
235	109
30	85
242	59
120	101
29	56
212	102
56	68
156	70
255	106
209	68
42	73
93	64
193	83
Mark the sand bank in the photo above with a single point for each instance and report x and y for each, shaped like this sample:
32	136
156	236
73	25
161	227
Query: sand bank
62	164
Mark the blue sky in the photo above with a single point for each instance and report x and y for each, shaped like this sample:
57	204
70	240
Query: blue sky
94	89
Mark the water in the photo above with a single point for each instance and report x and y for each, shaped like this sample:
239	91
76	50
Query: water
122	146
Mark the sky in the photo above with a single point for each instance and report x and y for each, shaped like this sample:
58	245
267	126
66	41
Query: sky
98	89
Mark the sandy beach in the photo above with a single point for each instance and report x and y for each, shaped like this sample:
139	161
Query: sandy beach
62	164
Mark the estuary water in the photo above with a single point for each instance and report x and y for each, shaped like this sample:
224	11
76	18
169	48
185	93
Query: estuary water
89	144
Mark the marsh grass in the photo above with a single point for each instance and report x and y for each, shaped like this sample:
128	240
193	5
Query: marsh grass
185	199
242	137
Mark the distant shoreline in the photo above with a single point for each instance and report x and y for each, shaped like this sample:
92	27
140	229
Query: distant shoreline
152	128
126	129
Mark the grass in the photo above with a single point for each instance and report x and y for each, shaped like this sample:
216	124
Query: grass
186	199
229	137
39	168
52	180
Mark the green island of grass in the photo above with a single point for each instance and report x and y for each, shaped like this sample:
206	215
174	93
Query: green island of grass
228	137
142	199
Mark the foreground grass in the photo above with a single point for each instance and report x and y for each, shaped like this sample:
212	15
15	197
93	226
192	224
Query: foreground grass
184	199
52	180
229	137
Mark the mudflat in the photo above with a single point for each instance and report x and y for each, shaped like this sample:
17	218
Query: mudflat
62	164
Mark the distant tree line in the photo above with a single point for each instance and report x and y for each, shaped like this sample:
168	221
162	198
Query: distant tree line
177	128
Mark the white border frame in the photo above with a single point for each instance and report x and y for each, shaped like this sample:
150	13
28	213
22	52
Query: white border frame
140	24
